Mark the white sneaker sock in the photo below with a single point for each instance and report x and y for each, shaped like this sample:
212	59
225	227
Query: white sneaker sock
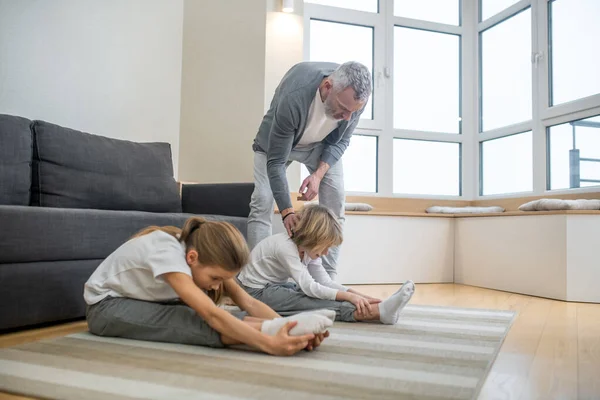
307	323
390	308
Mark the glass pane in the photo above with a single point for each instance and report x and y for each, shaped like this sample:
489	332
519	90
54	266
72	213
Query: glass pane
360	5
574	34
507	164
422	167
360	165
584	138
442	11
489	8
336	42
426	81
506	72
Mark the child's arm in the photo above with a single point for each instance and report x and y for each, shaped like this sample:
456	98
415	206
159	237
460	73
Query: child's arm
317	271
252	306
226	324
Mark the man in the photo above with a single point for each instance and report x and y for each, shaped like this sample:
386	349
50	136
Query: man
311	118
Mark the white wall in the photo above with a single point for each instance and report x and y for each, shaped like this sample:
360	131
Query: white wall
223	86
110	67
284	48
522	254
392	249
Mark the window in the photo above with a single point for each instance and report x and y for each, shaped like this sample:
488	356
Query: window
360	165
489	8
360	5
336	42
573	47
442	11
424	167
507	164
426	81
574	154
506	73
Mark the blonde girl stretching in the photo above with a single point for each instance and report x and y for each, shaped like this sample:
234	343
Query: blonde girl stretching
165	284
279	258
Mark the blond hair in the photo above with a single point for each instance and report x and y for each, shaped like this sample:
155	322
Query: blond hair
218	243
317	228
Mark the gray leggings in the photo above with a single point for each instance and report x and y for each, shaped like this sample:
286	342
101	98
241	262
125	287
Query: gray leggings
172	322
289	299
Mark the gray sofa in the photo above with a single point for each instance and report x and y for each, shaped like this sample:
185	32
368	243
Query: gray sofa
69	198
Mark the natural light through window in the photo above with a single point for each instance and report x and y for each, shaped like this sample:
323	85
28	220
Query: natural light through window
574	47
507	164
442	11
335	42
575	154
360	165
426	81
424	167
491	7
506	72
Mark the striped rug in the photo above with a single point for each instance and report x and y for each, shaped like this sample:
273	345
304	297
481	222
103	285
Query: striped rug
433	353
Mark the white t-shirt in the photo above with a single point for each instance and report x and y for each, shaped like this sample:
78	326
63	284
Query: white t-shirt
276	260
318	125
134	269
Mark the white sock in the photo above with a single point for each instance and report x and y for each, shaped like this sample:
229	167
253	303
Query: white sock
324	312
307	323
390	308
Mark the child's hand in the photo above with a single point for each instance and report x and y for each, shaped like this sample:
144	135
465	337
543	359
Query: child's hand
316	342
362	305
283	344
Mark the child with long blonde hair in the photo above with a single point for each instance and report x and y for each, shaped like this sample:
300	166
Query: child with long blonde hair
165	284
279	258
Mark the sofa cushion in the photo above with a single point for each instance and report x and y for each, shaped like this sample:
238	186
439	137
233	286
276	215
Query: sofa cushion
74	169
32	234
16	152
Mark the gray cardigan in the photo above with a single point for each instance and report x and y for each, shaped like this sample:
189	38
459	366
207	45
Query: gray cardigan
283	125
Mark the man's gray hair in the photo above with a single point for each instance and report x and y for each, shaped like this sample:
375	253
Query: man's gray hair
355	75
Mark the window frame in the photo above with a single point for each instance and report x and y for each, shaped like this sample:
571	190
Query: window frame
470	138
381	125
544	115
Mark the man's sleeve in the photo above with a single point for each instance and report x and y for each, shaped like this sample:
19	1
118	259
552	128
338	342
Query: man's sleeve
281	138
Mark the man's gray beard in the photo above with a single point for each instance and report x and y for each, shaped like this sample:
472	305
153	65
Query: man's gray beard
328	110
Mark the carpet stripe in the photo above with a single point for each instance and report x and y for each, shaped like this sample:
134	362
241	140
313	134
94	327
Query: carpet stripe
307	362
508	315
348	339
204	374
440	326
111	385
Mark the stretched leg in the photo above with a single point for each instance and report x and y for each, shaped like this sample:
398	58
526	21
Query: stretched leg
286	300
143	320
261	204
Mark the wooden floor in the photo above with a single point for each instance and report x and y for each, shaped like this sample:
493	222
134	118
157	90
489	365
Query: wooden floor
551	352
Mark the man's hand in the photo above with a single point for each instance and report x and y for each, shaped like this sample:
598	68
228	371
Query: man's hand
290	220
310	187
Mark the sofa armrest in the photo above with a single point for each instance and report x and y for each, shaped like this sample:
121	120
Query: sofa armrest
231	199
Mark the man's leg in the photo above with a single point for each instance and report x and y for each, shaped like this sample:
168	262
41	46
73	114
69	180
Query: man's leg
262	203
332	196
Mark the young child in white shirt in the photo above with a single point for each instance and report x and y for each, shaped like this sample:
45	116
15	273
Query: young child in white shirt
279	258
165	284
